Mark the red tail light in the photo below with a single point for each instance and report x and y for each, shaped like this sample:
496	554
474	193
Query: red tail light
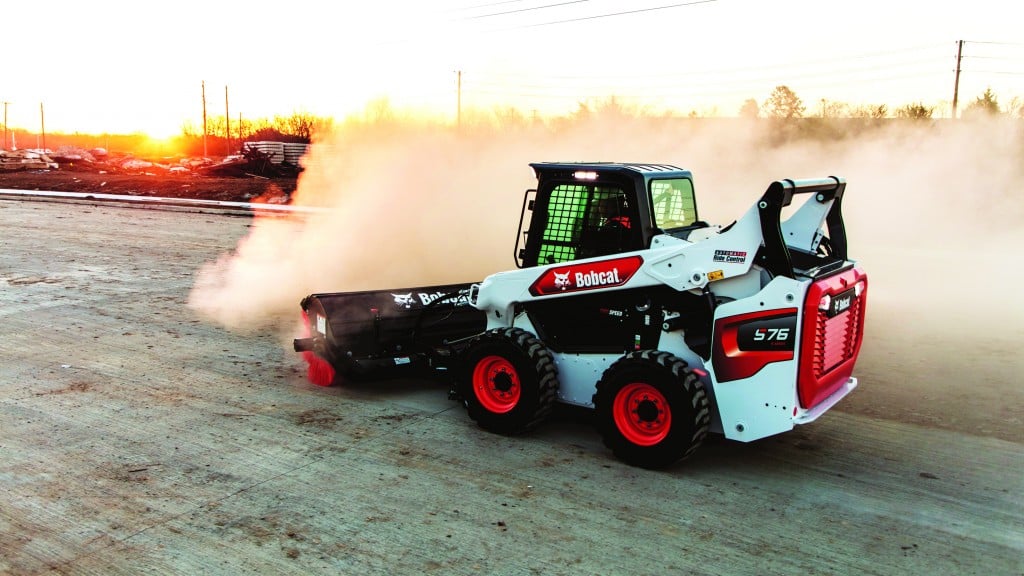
833	328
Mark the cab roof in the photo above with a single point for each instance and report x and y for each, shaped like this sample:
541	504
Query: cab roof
629	169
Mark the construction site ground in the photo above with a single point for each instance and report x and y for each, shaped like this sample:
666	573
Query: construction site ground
137	438
87	179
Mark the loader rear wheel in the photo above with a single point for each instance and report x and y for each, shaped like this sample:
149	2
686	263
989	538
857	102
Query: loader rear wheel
508	381
651	409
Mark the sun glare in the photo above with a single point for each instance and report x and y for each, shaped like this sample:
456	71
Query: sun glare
151	146
162	129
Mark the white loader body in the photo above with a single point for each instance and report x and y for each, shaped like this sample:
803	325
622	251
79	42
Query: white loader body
748	404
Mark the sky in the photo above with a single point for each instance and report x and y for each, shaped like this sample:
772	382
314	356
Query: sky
110	66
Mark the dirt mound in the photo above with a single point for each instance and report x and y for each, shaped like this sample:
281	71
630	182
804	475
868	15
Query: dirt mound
71	178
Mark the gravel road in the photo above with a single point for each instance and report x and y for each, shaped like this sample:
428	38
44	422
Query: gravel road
136	438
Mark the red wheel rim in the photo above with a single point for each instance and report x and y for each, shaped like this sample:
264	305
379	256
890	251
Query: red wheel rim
496	384
642	414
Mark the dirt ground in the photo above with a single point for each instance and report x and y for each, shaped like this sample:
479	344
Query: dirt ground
137	438
194	186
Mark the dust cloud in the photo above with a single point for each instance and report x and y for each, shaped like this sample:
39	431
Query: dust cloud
932	212
931	208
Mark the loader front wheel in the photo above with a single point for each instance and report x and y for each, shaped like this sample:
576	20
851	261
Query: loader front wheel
508	381
651	409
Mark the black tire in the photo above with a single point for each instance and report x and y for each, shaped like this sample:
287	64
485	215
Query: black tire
651	409
507	380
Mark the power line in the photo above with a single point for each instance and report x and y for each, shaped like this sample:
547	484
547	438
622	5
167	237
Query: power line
1001	72
609	15
728	89
727	84
530	9
690	73
720	85
487	5
994	43
869	74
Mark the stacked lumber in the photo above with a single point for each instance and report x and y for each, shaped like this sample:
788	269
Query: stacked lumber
11	160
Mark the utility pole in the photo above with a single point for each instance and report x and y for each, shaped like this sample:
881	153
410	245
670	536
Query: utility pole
227	120
205	154
956	79
5	124
42	126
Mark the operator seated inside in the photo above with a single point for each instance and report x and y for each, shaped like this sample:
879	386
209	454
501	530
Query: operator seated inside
610	229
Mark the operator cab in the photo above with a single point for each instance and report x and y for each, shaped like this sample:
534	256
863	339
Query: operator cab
588	210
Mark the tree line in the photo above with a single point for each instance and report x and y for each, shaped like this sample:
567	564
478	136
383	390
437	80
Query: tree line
225	136
783	103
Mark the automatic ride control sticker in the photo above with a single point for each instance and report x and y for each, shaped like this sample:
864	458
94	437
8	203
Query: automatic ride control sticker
730	256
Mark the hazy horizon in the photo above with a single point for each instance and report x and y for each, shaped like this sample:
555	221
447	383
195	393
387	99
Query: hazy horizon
381	111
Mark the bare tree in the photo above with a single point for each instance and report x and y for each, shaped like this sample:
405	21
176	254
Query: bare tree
379	111
783	103
832	109
1016	107
300	124
873	111
508	117
917	111
750	109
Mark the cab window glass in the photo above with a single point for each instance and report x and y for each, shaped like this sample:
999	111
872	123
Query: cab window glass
575	215
672	203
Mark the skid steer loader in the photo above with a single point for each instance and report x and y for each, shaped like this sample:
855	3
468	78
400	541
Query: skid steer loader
625	302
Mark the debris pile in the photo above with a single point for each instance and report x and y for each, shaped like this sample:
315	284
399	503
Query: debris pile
253	161
26	160
67	154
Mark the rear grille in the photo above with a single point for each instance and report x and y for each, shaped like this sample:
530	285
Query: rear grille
835	339
829	346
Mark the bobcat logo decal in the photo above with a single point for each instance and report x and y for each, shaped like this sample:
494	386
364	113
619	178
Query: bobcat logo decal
596	275
404	300
562	280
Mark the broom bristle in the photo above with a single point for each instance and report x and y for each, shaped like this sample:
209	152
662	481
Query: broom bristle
320	371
